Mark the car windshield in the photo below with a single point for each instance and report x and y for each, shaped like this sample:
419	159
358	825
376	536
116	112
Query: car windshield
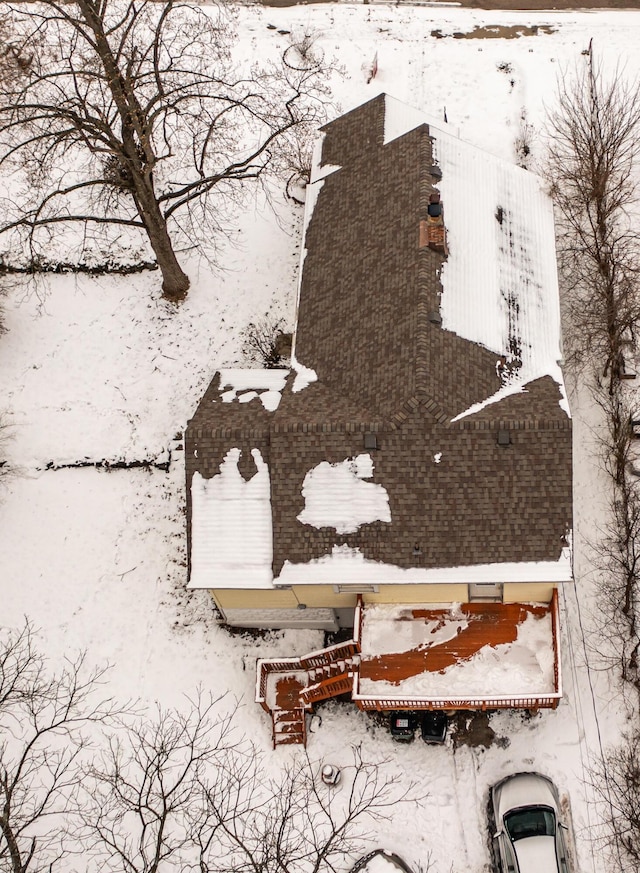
533	821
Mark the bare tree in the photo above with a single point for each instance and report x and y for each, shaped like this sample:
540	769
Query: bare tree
594	155
295	823
616	552
132	115
593	149
266	344
185	791
43	717
142	803
616	782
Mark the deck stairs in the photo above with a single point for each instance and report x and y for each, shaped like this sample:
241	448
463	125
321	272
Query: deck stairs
330	681
314	677
289	727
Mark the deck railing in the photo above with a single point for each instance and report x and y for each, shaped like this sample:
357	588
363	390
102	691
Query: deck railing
555	633
357	621
330	687
384	704
325	657
264	667
320	658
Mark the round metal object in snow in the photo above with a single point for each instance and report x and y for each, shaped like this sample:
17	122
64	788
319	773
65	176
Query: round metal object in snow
330	775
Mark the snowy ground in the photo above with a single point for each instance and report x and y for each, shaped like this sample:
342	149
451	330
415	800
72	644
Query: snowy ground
106	370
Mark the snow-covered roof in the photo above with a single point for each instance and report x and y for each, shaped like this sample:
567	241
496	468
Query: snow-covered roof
349	565
231	527
338	495
499	280
245	385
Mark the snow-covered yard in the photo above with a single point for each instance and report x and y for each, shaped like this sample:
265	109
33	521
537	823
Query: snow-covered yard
104	370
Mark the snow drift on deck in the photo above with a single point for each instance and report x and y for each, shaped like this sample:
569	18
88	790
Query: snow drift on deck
520	668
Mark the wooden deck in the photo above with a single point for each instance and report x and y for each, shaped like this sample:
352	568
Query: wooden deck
287	692
419	658
490	624
474	656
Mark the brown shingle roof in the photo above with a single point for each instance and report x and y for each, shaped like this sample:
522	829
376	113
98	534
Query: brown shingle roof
364	326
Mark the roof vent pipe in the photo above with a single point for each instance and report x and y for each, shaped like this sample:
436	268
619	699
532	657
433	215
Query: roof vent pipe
370	441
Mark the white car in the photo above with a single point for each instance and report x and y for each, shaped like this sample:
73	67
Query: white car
530	837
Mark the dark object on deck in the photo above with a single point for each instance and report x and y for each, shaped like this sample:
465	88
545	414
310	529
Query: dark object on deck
403	726
434	727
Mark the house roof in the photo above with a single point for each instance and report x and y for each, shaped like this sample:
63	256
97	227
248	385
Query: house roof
433	353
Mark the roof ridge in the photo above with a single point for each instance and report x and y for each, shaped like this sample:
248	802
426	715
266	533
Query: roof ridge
421	398
412	404
540	423
360	411
355	426
425	266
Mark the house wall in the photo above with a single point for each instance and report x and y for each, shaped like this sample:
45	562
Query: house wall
325	596
528	592
418	594
227	598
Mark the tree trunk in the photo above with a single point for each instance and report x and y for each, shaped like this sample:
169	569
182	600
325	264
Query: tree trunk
9	837
138	156
175	282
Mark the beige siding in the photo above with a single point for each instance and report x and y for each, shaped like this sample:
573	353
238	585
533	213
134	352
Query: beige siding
418	594
528	592
228	598
311	595
324	595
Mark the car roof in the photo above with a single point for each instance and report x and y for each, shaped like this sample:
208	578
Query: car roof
536	855
524	789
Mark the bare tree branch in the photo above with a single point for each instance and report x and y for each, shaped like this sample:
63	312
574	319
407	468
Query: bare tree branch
141	799
44	716
594	155
294	823
187	792
132	113
593	136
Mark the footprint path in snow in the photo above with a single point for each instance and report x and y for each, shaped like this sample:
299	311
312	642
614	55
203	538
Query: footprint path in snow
470	808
